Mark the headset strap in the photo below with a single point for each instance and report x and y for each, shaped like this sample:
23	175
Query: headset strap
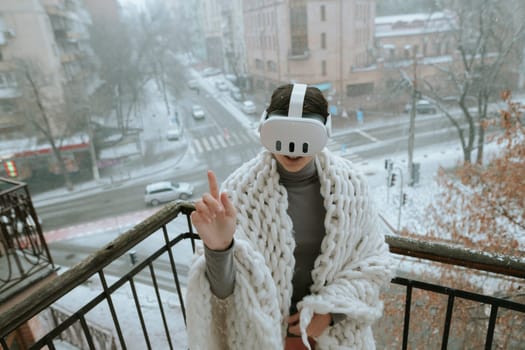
296	100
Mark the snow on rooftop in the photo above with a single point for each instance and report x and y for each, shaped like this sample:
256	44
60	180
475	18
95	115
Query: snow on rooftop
412	17
412	24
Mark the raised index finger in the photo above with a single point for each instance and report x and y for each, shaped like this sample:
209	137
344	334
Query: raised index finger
212	181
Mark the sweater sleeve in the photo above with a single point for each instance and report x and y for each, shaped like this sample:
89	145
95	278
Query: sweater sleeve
220	271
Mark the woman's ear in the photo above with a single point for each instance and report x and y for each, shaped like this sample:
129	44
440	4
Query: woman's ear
328	125
263	118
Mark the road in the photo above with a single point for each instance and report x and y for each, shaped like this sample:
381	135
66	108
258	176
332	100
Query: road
217	142
221	143
71	251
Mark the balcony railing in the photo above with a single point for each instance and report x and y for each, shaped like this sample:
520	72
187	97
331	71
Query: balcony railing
156	319
24	255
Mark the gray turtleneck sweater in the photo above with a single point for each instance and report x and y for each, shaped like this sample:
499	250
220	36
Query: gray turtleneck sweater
306	209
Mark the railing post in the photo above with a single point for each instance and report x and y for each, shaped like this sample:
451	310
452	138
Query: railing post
492	325
406	323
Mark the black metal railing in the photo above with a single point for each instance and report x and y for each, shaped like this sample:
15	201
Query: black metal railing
23	249
163	332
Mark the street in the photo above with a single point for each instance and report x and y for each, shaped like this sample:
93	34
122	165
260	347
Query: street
218	142
80	225
221	141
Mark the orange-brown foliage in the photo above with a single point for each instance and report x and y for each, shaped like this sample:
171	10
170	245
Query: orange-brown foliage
485	206
481	208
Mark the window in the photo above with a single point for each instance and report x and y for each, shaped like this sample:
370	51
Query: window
7	80
323	67
407	53
271	66
7	106
359	89
298	27
323	40
415	50
323	13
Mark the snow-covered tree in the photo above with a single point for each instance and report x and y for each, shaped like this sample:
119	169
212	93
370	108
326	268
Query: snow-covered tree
485	205
487	40
481	208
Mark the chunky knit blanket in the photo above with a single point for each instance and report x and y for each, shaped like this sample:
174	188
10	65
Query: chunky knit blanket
353	266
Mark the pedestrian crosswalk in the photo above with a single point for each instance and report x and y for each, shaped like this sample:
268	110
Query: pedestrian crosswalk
246	138
342	150
210	143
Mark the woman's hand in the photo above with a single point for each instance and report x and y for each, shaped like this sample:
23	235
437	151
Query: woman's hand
317	325
214	217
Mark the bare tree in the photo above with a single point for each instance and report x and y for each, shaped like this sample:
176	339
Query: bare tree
131	53
43	108
485	36
157	27
120	70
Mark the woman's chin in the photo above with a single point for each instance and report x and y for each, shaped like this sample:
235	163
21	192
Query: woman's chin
293	163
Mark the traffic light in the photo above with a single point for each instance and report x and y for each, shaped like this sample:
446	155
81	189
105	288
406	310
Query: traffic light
389	164
10	168
392	179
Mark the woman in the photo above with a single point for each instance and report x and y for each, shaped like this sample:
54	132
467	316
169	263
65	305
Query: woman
292	257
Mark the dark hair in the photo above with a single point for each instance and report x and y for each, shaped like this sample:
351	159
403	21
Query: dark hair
314	101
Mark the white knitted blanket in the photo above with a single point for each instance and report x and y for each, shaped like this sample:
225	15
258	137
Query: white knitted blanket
353	266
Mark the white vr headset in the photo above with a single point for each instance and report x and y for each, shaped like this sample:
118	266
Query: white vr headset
296	134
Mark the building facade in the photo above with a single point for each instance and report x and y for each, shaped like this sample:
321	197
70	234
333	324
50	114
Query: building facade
47	39
316	42
44	50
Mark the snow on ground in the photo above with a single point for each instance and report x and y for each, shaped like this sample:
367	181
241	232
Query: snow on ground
128	315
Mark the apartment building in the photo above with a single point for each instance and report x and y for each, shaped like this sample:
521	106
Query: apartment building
27	38
44	51
408	50
317	42
49	40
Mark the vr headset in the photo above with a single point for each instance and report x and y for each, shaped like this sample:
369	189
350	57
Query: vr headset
295	134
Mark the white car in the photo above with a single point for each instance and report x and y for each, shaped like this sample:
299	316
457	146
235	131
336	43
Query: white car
174	130
248	107
197	112
236	95
221	85
208	72
166	191
422	107
193	84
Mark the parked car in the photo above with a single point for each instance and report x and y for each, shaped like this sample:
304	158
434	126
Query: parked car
248	107
236	95
166	191
174	131
231	77
422	106
197	112
221	85
193	84
210	71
